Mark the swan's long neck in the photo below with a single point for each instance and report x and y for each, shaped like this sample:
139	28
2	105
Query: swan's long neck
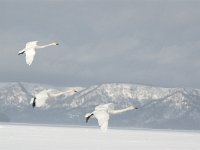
43	46
60	93
57	94
121	110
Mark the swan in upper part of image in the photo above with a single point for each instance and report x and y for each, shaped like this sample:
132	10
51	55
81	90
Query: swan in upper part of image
101	113
30	50
42	96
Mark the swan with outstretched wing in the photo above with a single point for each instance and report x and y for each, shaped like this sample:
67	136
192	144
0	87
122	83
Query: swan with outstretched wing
44	95
30	50
102	114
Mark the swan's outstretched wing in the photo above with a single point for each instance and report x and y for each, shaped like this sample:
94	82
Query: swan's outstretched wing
42	97
104	106
34	102
104	126
25	90
30	54
32	97
31	44
88	116
102	117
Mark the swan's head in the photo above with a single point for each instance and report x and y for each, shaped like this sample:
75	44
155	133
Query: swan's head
132	107
55	43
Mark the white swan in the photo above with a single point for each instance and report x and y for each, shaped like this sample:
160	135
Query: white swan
101	113
46	94
30	50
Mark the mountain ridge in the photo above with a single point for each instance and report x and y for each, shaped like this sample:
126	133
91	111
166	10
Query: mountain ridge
176	108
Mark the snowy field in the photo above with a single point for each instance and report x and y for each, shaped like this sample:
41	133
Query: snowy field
43	137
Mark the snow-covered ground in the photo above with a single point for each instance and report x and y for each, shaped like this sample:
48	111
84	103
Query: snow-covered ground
43	137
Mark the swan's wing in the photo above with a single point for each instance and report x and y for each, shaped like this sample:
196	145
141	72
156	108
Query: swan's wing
30	54
105	107
102	117
25	90
34	102
88	116
42	98
110	106
104	126
32	97
100	107
31	44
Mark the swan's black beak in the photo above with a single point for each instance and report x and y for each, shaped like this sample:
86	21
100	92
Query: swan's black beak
57	43
135	108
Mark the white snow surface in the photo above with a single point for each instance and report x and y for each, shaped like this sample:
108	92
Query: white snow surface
44	137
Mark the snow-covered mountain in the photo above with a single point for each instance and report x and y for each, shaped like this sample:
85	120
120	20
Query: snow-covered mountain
177	108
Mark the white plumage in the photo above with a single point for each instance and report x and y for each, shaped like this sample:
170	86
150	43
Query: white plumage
44	95
101	113
30	50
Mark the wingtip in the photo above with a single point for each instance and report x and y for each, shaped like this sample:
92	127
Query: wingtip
87	117
34	102
21	52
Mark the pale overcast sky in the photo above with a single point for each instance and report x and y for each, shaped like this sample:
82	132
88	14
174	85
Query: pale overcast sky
148	42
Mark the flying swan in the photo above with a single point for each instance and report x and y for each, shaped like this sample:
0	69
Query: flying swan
30	50
101	113
42	96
